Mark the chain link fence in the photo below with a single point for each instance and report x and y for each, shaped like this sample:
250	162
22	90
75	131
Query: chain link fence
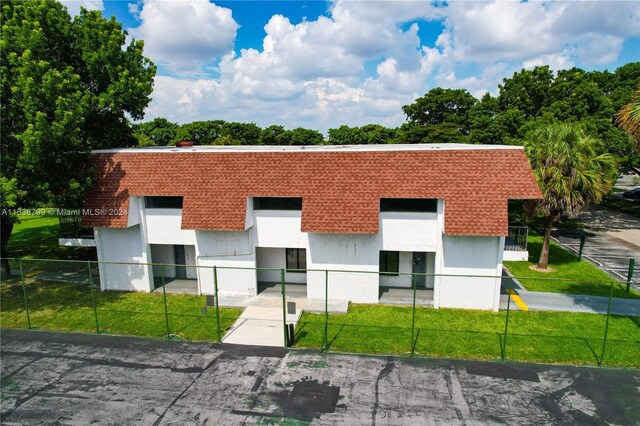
80	296
570	321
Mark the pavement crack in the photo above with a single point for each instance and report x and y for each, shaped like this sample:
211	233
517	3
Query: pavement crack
388	368
181	394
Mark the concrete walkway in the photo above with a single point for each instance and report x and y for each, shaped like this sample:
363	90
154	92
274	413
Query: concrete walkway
261	323
545	301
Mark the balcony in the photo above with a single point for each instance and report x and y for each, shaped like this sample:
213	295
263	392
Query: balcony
72	233
515	243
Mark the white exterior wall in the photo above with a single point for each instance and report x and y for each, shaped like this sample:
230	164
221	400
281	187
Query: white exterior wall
516	255
463	255
340	252
235	254
123	245
408	231
164	227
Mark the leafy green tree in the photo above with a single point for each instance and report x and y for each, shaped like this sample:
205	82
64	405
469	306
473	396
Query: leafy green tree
532	97
160	130
67	87
445	109
269	135
526	91
628	118
200	132
144	140
302	136
378	134
244	133
572	171
345	135
226	140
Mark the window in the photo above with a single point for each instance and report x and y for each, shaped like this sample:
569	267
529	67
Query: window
389	262
163	202
418	205
296	258
277	203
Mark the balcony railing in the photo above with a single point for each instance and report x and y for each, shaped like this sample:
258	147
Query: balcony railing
516	239
70	227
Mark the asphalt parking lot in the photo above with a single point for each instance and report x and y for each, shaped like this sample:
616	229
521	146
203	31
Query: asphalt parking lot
52	378
612	238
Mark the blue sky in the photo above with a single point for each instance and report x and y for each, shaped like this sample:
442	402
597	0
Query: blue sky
321	64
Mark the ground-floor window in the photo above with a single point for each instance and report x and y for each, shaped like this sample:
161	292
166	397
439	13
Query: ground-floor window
296	258
389	262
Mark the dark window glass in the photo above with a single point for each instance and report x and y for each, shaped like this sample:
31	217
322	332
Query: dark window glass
277	203
408	205
296	258
163	202
389	262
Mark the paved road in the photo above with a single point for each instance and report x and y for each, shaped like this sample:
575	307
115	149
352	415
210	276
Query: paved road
82	379
612	239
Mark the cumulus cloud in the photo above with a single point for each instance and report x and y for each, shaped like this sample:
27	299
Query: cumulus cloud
315	73
185	35
521	31
73	6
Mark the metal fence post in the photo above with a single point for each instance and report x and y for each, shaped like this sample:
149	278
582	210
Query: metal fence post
325	343
632	264
166	311
413	316
606	325
93	298
215	290
582	239
506	326
24	293
284	309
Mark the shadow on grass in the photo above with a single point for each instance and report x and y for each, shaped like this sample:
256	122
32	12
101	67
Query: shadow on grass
557	255
37	237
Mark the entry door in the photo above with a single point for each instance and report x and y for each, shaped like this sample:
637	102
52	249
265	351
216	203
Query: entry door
420	267
181	269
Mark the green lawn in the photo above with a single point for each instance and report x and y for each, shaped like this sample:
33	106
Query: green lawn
571	276
36	237
553	337
69	307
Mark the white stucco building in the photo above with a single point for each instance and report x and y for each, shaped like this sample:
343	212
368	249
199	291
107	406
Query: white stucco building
439	210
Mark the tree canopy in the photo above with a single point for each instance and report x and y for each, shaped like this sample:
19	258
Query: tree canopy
572	171
68	86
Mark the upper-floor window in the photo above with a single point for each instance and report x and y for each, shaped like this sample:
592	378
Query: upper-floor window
277	203
163	202
418	205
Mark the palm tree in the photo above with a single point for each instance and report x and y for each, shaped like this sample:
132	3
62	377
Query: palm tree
572	173
628	118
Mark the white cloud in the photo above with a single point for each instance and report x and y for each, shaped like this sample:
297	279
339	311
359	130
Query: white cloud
521	31
556	61
185	35
312	73
73	6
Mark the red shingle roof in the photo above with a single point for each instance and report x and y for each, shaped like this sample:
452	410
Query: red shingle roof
340	189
